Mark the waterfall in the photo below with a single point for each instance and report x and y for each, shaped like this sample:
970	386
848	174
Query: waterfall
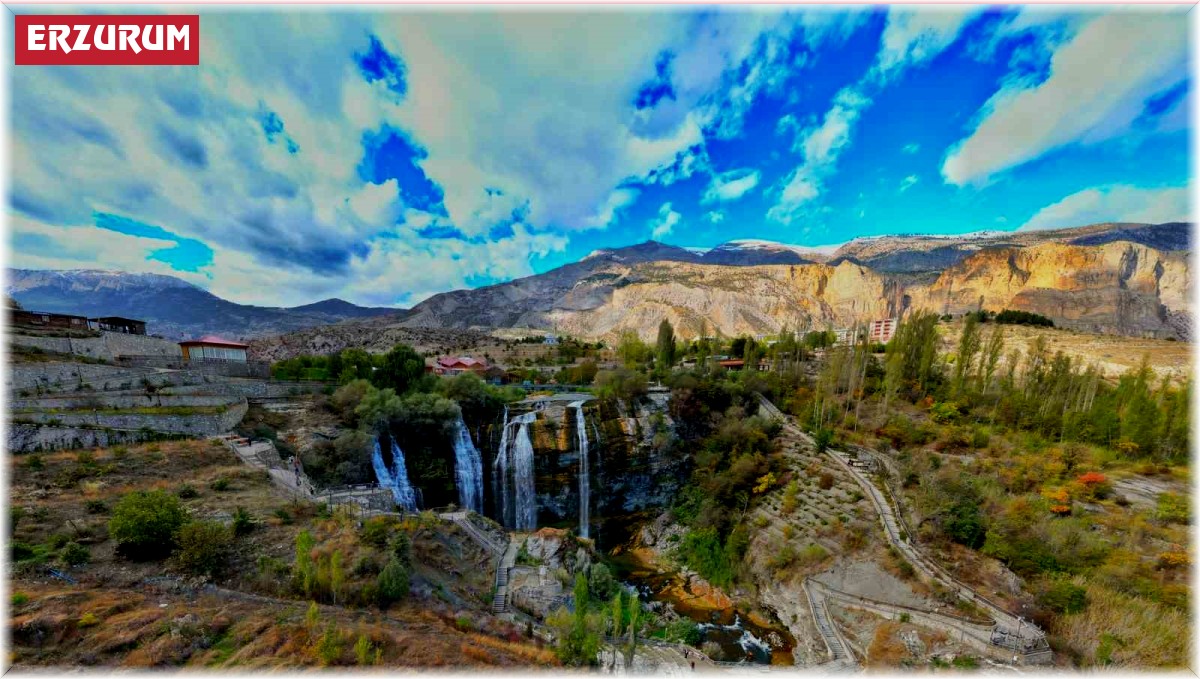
585	488
525	495
500	472
468	469
382	475
401	489
396	478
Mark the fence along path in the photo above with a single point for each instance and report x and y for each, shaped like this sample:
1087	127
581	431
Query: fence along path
840	654
262	454
1009	631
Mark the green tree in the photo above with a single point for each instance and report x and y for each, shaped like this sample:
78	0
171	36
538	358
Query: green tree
204	547
400	370
633	352
392	583
968	347
665	346
146	523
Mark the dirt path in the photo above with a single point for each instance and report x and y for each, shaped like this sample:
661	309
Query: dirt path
1009	631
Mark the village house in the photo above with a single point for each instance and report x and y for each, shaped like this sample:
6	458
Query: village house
457	365
128	326
43	319
212	348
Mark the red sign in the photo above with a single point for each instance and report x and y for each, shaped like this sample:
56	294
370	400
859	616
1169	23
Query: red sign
107	40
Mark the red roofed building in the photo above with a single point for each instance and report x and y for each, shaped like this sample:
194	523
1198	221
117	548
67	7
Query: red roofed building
211	347
457	365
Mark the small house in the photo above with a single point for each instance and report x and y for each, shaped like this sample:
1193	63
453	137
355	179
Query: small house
128	326
457	365
212	348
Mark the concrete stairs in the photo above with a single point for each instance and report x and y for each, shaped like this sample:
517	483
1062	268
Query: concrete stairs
507	561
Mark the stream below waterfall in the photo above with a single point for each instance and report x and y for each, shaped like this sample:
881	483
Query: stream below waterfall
743	636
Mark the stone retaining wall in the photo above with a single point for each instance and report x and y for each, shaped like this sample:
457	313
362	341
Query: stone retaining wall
199	424
125	400
107	346
42	378
29	438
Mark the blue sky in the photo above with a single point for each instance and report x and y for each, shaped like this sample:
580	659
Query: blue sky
403	154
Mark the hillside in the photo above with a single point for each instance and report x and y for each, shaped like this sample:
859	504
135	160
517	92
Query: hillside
171	307
1108	278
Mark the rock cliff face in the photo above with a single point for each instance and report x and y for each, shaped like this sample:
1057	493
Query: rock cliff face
630	470
1117	287
1128	279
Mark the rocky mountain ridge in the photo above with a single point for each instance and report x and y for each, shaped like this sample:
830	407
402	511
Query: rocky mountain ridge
1123	279
171	307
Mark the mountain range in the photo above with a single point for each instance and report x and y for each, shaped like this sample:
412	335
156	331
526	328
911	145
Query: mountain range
1115	278
171	307
1118	278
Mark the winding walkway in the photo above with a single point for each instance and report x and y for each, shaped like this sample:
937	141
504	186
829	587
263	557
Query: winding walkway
1009	631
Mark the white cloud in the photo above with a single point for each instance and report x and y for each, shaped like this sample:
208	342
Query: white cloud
911	148
510	133
820	145
908	182
1115	203
911	37
665	223
729	186
1096	89
715	216
915	36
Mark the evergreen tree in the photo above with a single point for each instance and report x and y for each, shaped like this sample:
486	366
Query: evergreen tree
665	346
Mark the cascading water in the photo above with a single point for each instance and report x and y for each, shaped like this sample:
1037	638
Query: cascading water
500	472
382	475
525	494
401	489
585	488
468	469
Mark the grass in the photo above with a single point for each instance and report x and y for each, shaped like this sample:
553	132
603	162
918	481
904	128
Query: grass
112	625
1123	630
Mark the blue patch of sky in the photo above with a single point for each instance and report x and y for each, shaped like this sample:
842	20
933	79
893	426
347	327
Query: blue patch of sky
188	254
1165	101
441	232
659	88
272	126
376	64
391	154
877	187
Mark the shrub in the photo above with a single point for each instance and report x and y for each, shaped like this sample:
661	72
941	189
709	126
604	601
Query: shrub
34	462
601	583
75	554
965	525
19	598
146	523
392	583
329	648
243	522
1064	597
364	652
96	506
376	531
1173	508
221	484
402	549
203	547
186	492
825	481
89	620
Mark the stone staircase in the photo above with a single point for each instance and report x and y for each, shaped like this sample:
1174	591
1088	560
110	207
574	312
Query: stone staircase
507	561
